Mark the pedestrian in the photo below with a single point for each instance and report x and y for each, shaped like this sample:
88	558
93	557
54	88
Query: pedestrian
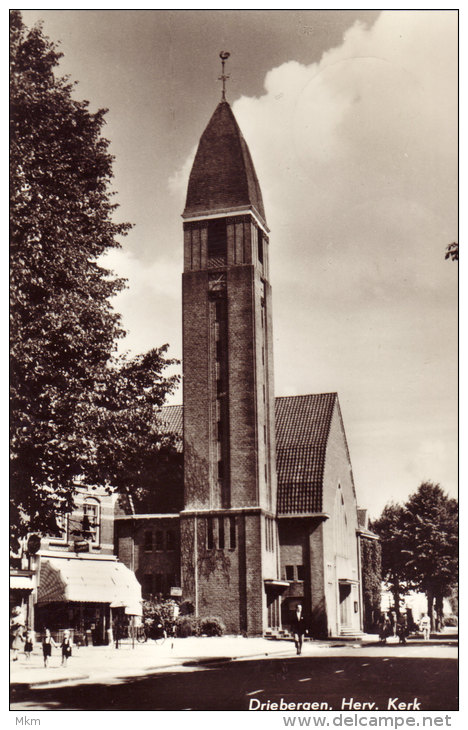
66	648
425	626
393	622
47	644
28	645
16	639
402	628
385	628
298	628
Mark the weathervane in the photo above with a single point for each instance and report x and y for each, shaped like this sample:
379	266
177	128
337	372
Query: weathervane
224	55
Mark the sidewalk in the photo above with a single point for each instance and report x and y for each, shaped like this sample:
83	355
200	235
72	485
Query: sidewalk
107	664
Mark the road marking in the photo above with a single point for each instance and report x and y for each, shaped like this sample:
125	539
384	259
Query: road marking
386	659
255	692
364	665
306	679
338	671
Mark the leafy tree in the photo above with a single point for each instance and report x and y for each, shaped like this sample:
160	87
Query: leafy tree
390	528
451	252
431	543
77	410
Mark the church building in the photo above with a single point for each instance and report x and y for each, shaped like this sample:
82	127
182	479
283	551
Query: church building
270	515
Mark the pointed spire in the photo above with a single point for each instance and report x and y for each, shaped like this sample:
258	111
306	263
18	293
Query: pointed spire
224	55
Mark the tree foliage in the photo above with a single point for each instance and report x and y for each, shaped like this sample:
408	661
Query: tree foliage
451	252
77	410
431	542
420	545
389	526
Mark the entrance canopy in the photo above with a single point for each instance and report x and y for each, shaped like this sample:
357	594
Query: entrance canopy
85	580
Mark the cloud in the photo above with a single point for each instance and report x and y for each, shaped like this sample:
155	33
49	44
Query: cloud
150	305
357	160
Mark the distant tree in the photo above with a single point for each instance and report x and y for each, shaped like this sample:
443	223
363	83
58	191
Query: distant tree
390	528
77	410
430	535
451	252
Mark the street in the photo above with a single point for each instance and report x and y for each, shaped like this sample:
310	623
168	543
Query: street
382	677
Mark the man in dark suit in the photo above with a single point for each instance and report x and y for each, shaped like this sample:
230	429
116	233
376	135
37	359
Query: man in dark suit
298	627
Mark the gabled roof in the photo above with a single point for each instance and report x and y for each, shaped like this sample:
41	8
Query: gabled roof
302	429
223	177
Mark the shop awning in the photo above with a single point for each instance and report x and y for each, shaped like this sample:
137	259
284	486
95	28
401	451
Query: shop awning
21	582
85	580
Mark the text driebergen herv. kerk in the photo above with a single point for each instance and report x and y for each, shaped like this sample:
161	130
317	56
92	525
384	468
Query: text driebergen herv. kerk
393	703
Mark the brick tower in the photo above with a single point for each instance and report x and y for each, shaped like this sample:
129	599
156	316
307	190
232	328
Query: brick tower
229	545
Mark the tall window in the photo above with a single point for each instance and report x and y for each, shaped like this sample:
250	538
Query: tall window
217	240
221	532
341	526
62	524
232	532
92	520
159	540
209	534
170	540
260	245
148	541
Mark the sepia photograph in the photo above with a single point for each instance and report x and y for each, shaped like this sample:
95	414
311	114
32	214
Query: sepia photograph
234	363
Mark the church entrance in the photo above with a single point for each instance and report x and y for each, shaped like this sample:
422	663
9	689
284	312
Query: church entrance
273	610
345	605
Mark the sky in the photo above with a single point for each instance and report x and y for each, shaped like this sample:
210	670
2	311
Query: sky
351	120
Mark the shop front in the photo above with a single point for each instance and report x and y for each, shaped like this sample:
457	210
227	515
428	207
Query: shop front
85	595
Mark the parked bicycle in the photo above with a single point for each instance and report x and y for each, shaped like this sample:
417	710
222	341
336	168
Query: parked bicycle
154	631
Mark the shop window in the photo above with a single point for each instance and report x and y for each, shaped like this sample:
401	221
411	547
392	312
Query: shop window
170	540
159	540
92	520
289	572
300	572
148	541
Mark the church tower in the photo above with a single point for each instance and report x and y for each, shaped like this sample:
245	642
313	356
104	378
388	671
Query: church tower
229	545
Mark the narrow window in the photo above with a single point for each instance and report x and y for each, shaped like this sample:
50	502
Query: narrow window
158	583
217	239
266	473
148	541
260	246
220	470
158	540
289	572
232	532
170	540
209	533
147	587
91	520
221	533
300	572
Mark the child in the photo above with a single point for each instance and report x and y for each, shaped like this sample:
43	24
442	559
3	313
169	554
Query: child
28	645
66	648
47	644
